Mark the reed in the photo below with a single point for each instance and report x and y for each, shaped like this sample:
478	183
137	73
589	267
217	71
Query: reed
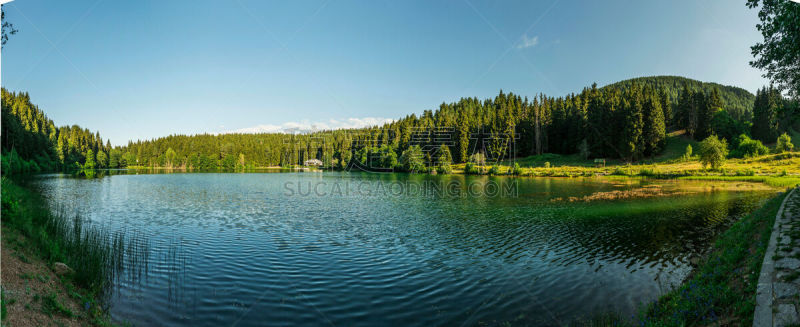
96	255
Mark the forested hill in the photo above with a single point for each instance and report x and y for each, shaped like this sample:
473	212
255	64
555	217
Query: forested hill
31	142
737	101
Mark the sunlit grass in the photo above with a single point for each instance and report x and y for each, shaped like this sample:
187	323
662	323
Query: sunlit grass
776	181
776	169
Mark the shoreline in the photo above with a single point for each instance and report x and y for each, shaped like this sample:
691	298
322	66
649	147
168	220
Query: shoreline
54	268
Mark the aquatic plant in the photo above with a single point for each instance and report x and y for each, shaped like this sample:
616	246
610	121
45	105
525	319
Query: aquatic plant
95	254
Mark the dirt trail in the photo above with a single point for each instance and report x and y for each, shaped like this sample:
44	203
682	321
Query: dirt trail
33	294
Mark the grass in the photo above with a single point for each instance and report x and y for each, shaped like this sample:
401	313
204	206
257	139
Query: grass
722	289
51	305
776	181
777	169
95	255
56	237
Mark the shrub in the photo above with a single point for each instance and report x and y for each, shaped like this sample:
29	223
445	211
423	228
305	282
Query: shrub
472	169
713	152
13	163
547	164
784	144
648	172
687	155
411	159
749	148
468	167
444	169
478	159
620	171
444	160
517	170
495	170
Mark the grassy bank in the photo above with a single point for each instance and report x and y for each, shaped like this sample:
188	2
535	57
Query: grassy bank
775	169
776	181
670	163
29	226
722	289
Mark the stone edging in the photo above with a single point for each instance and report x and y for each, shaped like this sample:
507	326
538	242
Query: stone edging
763	313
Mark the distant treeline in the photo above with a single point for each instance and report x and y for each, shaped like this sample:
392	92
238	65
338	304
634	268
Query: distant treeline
626	120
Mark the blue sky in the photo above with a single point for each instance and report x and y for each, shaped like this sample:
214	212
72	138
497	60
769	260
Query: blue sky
143	69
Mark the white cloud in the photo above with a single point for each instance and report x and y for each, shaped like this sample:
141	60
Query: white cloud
307	127
527	42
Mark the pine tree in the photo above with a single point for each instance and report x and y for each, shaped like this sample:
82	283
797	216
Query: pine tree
706	110
631	118
90	162
654	127
463	139
698	110
765	112
666	106
686	117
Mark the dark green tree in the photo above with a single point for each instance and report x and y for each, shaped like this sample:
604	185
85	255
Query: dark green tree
779	52
706	110
654	129
765	114
666	106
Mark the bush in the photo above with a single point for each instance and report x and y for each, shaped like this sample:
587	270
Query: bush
444	160
411	159
547	164
444	169
469	167
621	171
472	169
648	172
478	159
749	148
713	152
784	144
495	170
517	170
13	163
687	155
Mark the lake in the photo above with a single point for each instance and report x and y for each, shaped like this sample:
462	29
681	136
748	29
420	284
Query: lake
348	249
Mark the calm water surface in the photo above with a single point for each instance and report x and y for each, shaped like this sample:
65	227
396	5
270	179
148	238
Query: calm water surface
269	249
